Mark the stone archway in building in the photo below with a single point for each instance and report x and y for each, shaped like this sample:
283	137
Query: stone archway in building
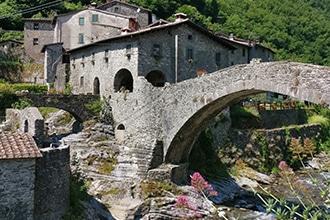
156	78
123	81
96	86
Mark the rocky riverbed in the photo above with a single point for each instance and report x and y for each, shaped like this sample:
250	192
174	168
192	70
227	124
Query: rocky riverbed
103	164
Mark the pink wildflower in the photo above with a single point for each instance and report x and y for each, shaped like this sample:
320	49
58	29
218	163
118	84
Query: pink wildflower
182	202
201	185
283	165
187	210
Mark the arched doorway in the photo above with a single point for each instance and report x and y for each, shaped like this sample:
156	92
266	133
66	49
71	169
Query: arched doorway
123	81
96	86
156	78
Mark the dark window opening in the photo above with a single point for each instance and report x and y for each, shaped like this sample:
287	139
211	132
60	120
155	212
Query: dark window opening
156	78
190	54
26	126
35	41
128	49
36	26
190	37
116	9
81	81
65	58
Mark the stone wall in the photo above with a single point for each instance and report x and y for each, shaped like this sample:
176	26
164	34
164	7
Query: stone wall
254	147
52	183
17	178
285	117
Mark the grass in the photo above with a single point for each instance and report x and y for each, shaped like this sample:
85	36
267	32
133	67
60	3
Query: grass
319	119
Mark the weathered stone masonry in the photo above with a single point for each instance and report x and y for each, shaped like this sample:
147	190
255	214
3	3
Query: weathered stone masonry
52	183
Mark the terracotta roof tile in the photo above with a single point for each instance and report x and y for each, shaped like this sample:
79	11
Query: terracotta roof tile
15	145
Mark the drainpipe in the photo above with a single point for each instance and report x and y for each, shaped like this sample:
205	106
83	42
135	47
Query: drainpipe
176	57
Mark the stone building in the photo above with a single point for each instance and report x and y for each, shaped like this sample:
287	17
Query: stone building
37	33
7	45
247	50
141	15
35	181
166	53
18	157
89	25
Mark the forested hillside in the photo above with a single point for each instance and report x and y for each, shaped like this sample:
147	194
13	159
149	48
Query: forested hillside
297	30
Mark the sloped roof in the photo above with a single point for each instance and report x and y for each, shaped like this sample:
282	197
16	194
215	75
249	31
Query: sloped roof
113	2
156	28
244	42
10	41
15	145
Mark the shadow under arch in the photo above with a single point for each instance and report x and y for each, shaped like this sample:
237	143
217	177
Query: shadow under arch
123	80
181	145
156	78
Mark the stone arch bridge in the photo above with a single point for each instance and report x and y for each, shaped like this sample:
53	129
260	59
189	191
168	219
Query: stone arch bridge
74	104
161	124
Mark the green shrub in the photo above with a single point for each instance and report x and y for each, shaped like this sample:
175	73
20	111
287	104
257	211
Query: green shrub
32	88
78	193
22	103
96	107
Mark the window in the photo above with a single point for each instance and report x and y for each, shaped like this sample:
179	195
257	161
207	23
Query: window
81	38
156	50
81	81
218	58
190	54
95	18
81	21
106	53
36	26
243	52
190	37
116	9
128	49
35	41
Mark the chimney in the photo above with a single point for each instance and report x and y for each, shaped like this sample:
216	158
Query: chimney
125	31
93	4
231	36
180	17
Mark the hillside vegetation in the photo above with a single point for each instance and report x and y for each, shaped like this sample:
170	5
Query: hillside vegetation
297	30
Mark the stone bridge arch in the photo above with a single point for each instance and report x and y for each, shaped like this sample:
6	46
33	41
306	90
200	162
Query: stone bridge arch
201	99
175	115
74	104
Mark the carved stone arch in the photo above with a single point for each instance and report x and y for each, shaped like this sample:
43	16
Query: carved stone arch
123	81
96	86
156	78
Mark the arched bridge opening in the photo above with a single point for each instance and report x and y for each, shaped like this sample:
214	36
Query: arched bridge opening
201	99
76	105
